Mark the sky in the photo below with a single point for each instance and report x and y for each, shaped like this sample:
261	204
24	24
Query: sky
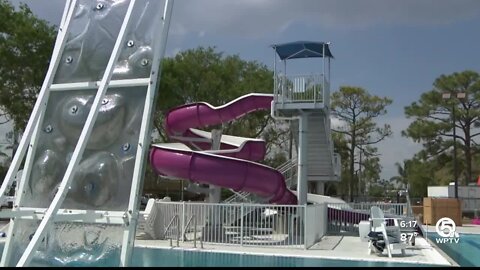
391	48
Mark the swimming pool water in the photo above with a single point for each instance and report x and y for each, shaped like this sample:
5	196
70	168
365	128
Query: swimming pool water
466	252
187	258
160	257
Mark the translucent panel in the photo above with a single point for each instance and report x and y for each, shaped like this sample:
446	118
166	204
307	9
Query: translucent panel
71	244
136	54
91	37
103	177
93	34
24	231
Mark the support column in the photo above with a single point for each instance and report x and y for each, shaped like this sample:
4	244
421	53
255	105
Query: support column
215	192
302	186
320	187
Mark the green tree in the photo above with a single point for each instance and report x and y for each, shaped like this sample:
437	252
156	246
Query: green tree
420	174
369	169
26	44
402	176
433	118
205	75
358	110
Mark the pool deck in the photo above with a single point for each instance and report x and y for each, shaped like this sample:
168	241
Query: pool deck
330	247
465	228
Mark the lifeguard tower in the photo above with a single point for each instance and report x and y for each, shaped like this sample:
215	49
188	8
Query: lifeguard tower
305	99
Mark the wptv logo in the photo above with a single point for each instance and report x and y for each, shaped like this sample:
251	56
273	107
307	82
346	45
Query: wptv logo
446	229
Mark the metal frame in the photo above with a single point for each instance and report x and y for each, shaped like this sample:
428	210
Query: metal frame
73	215
32	128
80	147
54	213
300	109
144	137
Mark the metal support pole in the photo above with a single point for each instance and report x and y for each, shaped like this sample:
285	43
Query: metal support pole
183	220
455	168
303	219
194	231
160	43
241	224
275	90
324	93
215	192
302	183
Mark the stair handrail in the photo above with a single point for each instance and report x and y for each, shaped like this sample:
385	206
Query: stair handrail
194	218
168	227
328	135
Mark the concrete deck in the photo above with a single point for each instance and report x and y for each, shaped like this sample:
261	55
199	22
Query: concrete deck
331	247
465	228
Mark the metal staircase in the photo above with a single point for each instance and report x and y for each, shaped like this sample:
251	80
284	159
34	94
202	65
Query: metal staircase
287	169
320	156
289	172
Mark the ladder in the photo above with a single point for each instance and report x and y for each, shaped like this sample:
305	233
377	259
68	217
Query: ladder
87	138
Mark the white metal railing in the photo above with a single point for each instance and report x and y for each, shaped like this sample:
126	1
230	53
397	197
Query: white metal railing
345	217
253	224
316	217
470	204
301	88
177	229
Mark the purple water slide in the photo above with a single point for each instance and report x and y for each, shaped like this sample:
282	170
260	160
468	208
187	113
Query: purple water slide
250	150
202	114
237	173
227	172
179	120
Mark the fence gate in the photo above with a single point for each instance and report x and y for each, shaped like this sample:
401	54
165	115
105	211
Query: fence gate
87	138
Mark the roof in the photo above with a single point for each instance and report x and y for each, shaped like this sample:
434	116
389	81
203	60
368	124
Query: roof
302	49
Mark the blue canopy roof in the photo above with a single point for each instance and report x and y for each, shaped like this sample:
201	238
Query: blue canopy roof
302	49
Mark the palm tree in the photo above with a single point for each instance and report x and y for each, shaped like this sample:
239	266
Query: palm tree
402	174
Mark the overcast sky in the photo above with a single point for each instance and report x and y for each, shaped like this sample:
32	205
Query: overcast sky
391	48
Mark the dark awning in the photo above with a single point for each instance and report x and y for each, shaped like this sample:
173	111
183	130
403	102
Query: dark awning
302	49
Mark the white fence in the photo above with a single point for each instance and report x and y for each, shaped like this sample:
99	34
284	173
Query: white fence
239	224
316	223
345	217
296	226
302	88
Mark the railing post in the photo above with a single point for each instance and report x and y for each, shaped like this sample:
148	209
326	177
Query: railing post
304	219
194	231
241	225
183	220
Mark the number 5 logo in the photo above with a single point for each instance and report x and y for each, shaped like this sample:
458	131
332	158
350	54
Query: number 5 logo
445	227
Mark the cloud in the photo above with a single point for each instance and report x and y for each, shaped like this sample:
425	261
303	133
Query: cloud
50	10
254	18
